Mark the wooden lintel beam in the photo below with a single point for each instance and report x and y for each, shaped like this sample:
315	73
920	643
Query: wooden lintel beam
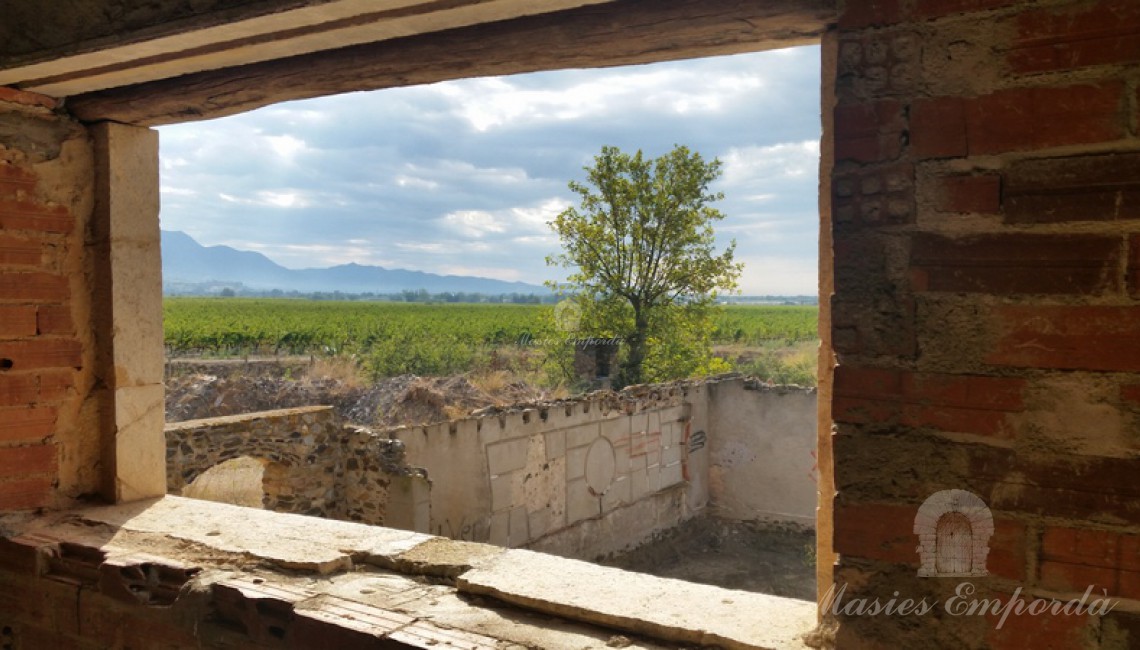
619	33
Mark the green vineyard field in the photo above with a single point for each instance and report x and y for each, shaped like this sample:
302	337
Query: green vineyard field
413	337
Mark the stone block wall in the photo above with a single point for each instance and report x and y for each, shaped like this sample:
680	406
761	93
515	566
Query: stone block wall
985	317
582	478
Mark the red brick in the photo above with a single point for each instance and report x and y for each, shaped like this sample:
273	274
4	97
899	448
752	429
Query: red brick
20	462
1070	577
15	177
26	424
966	391
877	532
1041	632
54	386
1099	187
1134	266
853	381
968	193
926	9
1097	490
17	321
41	353
16	251
868	132
866	13
25	494
27	98
938	128
1081	546
1067	337
955	403
1008	550
54	319
28	215
44	287
1130	394
1025	119
1007	264
1101	33
1128	584
19	389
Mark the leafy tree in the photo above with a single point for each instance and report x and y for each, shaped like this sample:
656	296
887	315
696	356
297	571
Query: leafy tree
642	249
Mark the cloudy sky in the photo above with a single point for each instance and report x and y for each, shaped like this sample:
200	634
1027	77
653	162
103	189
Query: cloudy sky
461	177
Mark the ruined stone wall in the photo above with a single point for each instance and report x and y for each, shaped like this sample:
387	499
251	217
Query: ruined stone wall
49	414
985	316
313	464
582	478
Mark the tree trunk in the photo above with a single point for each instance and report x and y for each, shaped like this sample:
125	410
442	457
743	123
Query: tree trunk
632	369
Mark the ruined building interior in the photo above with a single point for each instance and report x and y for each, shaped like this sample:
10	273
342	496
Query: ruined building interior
979	279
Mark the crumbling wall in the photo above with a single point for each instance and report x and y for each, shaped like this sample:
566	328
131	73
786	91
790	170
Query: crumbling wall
49	416
314	465
985	316
762	452
581	478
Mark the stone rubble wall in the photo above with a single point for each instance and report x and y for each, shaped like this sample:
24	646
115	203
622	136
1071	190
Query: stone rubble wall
314	465
582	478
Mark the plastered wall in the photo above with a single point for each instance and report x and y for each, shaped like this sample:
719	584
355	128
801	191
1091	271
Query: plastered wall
593	476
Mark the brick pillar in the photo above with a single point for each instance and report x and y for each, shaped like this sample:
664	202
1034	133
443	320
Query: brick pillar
43	359
986	214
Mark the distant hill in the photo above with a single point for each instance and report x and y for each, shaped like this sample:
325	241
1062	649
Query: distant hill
185	261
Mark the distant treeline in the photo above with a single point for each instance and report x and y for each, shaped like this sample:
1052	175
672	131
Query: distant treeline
229	290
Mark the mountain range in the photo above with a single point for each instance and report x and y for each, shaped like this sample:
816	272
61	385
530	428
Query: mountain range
185	261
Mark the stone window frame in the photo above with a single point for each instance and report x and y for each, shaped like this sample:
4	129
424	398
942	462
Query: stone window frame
128	297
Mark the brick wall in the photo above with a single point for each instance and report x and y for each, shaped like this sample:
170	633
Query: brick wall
43	363
986	205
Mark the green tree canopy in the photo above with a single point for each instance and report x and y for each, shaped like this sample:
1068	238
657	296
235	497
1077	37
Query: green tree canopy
645	267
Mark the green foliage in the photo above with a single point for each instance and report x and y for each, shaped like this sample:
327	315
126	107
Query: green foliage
641	247
783	365
759	324
390	338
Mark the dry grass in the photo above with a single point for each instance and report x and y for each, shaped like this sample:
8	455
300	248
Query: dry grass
491	382
343	369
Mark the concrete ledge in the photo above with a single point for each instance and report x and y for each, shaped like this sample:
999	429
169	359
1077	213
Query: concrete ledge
672	610
314	578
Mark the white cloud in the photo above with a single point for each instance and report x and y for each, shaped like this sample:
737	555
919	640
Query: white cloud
285	146
743	165
473	223
464	176
268	198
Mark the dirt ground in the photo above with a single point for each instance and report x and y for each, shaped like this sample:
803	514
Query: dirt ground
735	555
